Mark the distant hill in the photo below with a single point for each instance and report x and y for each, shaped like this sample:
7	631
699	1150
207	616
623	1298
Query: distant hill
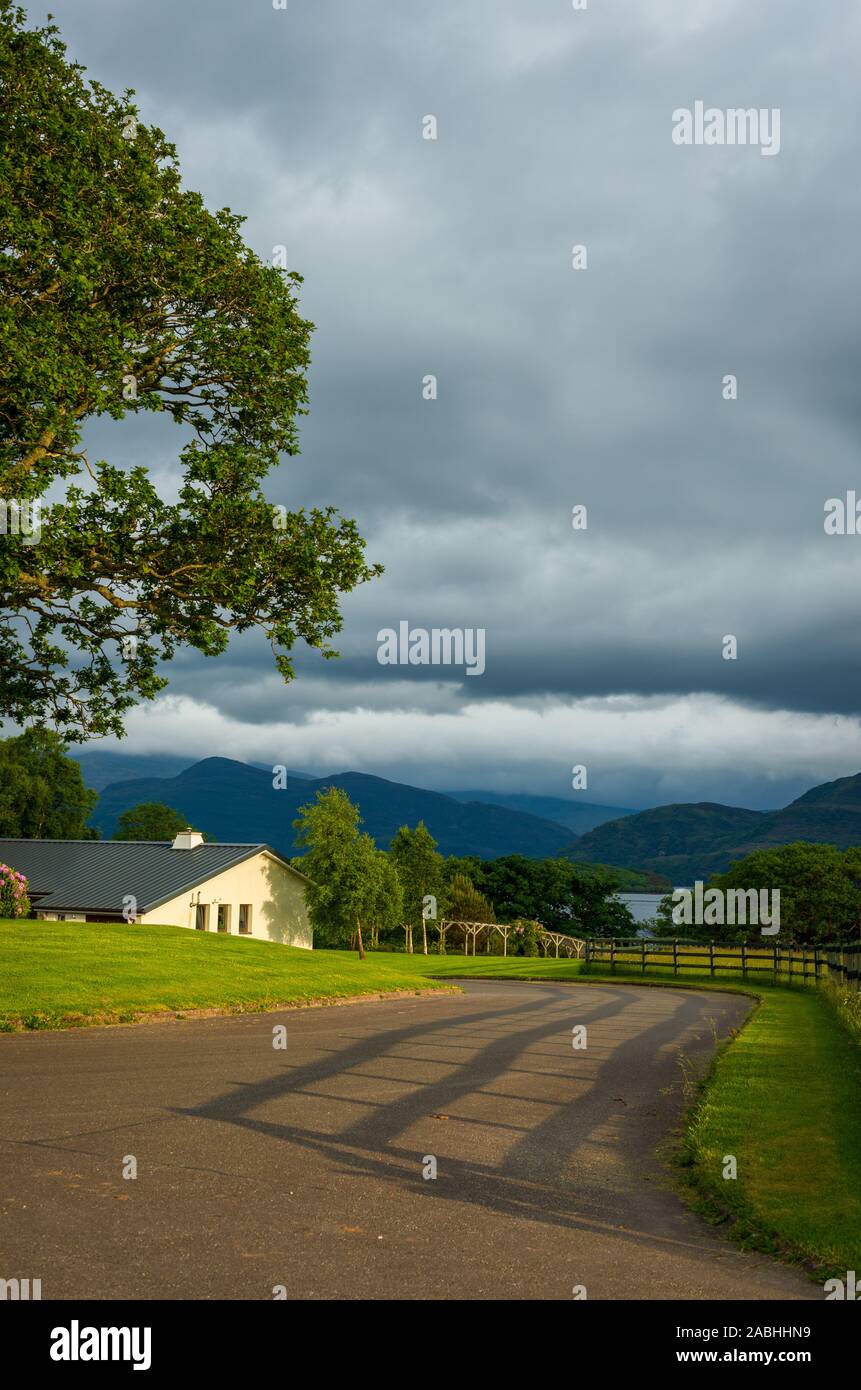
830	812
690	841
101	768
235	801
579	816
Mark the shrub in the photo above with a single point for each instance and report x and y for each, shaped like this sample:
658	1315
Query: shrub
14	898
847	1003
524	940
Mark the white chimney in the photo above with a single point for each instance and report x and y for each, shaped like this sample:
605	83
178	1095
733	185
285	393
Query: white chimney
187	839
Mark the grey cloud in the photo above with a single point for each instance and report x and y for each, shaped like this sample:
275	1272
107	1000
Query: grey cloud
555	387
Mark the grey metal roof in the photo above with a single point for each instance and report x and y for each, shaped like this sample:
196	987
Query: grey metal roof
96	875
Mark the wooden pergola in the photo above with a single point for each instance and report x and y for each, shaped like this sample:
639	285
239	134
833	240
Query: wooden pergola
557	942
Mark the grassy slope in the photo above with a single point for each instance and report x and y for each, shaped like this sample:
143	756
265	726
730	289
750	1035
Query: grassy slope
58	974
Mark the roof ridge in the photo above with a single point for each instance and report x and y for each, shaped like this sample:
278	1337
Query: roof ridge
213	844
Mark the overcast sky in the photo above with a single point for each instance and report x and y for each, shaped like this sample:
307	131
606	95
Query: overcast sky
556	387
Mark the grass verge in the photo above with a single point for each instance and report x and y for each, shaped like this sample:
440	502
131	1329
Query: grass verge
783	1098
65	974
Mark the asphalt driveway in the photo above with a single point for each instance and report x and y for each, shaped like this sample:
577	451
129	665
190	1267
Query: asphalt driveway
302	1169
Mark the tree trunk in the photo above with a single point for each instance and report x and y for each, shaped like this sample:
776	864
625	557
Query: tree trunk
361	947
424	936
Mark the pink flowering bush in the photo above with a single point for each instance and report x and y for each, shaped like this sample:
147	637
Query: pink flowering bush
14	899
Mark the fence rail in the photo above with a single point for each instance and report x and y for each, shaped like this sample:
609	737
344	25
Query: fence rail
841	962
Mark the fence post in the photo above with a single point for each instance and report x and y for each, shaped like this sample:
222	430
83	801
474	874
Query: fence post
775	955
675	956
743	963
711	958
612	953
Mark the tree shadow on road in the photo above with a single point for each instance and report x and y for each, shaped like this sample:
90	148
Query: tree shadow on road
585	1162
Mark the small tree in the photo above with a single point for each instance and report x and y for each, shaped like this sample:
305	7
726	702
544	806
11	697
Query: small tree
345	885
464	903
420	869
14	896
388	907
150	820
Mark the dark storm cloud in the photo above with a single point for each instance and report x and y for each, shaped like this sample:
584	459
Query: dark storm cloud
556	387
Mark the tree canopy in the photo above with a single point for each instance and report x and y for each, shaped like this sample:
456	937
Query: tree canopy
420	871
560	895
42	791
120	293
353	884
820	894
150	820
465	903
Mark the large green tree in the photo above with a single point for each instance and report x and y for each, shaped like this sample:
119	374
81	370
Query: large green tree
353	884
420	870
820	892
42	792
121	293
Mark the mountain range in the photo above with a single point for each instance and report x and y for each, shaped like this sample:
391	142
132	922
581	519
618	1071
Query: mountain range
578	816
237	801
234	801
691	841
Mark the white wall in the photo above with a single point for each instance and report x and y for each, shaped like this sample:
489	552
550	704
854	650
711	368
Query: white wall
275	892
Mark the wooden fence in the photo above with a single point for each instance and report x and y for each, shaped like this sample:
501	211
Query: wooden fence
841	963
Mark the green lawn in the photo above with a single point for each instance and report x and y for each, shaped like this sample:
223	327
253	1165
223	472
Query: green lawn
486	967
785	1099
64	974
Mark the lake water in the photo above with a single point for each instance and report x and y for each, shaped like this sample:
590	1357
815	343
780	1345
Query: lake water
642	906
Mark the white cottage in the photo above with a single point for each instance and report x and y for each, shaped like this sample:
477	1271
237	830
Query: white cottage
247	890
